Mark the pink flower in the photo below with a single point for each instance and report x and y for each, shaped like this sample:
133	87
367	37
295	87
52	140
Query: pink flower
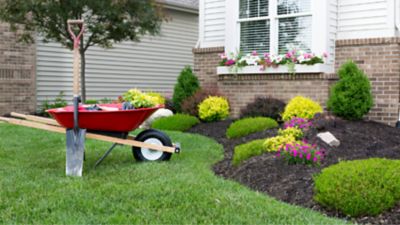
222	56
325	54
300	155
308	157
295	153
254	53
315	159
230	62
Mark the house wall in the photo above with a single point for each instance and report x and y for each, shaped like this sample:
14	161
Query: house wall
17	73
212	22
152	64
243	89
379	59
366	18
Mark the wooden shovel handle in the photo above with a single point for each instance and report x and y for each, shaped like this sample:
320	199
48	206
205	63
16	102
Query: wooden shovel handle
76	39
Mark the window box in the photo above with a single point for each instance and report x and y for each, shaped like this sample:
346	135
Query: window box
281	69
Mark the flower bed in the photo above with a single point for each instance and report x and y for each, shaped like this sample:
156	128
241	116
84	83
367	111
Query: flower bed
293	183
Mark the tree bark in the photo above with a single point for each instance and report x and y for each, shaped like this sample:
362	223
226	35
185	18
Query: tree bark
83	70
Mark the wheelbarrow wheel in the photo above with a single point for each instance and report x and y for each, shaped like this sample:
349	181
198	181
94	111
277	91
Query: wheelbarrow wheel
152	137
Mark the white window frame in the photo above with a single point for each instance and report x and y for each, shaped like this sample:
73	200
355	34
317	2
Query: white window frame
320	26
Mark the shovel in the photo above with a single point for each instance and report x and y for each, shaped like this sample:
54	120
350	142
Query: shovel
75	136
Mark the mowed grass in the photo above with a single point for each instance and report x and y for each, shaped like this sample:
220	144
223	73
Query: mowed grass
35	190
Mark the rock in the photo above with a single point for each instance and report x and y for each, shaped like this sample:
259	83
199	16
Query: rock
329	139
157	114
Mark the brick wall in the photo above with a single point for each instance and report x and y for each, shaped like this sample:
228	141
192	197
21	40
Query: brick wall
379	58
243	89
17	74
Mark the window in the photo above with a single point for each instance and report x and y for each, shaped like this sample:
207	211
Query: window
275	25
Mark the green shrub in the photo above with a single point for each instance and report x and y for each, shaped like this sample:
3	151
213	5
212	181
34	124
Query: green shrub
158	98
91	101
358	188
248	150
301	107
214	109
351	96
265	107
178	122
247	126
58	102
187	85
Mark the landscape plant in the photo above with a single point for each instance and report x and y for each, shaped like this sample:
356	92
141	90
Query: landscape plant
302	107
297	122
301	152
359	188
139	99
177	122
265	107
106	22
351	96
191	104
58	102
185	87
245	151
250	125
214	108
291	131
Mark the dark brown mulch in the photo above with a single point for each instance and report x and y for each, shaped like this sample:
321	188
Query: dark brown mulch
294	183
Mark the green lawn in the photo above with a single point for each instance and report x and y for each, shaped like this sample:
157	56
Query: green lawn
34	189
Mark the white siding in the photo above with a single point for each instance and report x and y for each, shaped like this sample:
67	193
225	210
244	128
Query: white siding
152	64
212	24
365	18
332	29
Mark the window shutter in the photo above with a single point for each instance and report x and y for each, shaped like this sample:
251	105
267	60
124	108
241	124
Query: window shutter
294	32
254	35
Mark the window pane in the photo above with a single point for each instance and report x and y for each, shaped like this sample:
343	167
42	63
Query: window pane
294	32
253	8
293	6
254	35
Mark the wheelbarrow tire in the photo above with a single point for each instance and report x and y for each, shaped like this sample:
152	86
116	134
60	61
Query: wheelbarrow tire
152	136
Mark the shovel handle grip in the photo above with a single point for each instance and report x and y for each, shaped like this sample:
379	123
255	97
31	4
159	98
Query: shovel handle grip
76	39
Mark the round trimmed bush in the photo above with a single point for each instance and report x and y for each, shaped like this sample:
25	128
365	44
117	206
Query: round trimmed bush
351	96
361	187
178	122
248	150
213	109
301	107
265	107
247	126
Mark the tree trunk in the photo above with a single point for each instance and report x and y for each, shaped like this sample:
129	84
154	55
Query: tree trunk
83	68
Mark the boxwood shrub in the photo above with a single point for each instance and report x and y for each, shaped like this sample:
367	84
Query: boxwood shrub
359	188
250	125
248	150
177	122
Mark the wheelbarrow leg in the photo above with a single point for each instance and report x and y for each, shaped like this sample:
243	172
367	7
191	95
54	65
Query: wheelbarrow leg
105	155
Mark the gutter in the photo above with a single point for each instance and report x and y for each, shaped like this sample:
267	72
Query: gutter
179	7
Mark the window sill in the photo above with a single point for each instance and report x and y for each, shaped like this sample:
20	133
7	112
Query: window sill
282	69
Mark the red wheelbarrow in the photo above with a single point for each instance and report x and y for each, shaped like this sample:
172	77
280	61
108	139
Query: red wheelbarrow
111	124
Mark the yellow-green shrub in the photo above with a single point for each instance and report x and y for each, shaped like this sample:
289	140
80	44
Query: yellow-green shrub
214	109
142	100
275	143
157	98
301	107
291	131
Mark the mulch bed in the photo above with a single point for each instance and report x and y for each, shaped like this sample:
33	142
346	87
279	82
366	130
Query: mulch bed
293	183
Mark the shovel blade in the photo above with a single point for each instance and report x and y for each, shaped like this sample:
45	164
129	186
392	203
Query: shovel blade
75	152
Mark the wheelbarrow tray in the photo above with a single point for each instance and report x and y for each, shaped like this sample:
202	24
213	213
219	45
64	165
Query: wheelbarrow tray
113	121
